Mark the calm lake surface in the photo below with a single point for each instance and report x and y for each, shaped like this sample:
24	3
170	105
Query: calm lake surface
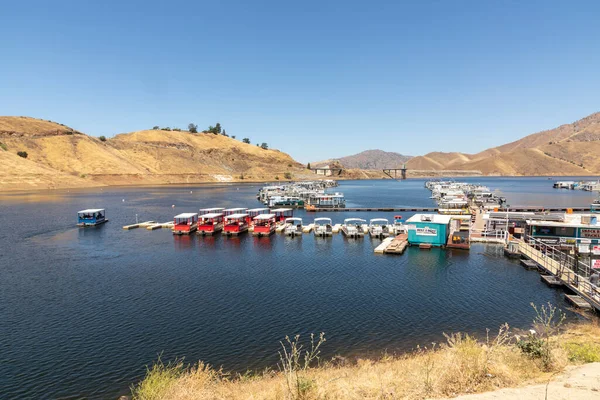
83	311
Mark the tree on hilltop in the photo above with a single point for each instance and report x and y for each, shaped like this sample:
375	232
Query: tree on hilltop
246	140
192	128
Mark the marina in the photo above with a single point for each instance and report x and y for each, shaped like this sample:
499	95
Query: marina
221	285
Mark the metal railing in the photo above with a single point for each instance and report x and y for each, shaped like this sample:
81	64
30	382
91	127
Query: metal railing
498	234
567	268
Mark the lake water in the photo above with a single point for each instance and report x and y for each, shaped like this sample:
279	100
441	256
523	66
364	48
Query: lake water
83	311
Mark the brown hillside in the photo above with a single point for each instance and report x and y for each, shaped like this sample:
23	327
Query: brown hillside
368	159
570	149
144	157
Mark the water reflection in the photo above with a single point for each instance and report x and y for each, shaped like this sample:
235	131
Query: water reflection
184	242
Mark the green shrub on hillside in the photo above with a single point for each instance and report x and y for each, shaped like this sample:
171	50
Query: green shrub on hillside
3	146
102	138
22	154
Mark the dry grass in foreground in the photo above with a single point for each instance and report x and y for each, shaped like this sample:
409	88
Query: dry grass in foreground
460	365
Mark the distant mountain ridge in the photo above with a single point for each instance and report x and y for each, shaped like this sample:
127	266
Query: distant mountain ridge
368	159
570	149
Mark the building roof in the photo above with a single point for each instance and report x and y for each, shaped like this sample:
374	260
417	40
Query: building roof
571	221
435	219
186	215
264	216
90	211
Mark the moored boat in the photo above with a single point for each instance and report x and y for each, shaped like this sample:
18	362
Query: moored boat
235	224
209	224
184	224
323	227
379	227
264	225
294	226
91	217
353	227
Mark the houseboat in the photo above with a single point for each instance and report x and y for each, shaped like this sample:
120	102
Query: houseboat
428	229
253	212
235	224
563	184
294	227
323	227
286	201
209	224
214	210
231	211
379	227
282	213
353	227
398	226
335	200
264	225
184	224
91	217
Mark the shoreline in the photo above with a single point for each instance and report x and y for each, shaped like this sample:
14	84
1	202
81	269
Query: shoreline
462	365
10	189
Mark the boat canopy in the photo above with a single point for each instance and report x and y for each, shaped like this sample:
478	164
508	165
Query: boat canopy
375	220
186	215
211	215
211	210
257	210
235	210
290	220
282	210
323	219
264	217
350	220
91	211
236	216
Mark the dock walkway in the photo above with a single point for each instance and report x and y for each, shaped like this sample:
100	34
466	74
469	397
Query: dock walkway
561	271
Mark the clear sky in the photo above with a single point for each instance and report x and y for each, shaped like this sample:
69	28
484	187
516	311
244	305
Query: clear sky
317	79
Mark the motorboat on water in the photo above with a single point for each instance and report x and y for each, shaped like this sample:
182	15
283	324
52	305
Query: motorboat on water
323	227
353	227
379	227
293	226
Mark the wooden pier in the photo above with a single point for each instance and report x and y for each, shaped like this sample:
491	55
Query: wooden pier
139	225
393	245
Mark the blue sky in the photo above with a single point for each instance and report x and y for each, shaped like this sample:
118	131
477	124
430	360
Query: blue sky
317	79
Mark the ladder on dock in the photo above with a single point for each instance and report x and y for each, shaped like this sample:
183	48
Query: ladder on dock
565	269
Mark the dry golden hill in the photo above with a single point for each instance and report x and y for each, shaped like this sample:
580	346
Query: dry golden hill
58	156
570	149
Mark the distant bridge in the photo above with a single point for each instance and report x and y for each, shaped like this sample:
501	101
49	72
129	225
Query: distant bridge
326	171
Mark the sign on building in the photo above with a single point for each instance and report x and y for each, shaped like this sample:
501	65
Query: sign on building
426	231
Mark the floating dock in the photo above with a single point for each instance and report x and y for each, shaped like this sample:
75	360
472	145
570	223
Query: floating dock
383	246
529	264
308	228
139	225
578	301
551	280
336	228
168	225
